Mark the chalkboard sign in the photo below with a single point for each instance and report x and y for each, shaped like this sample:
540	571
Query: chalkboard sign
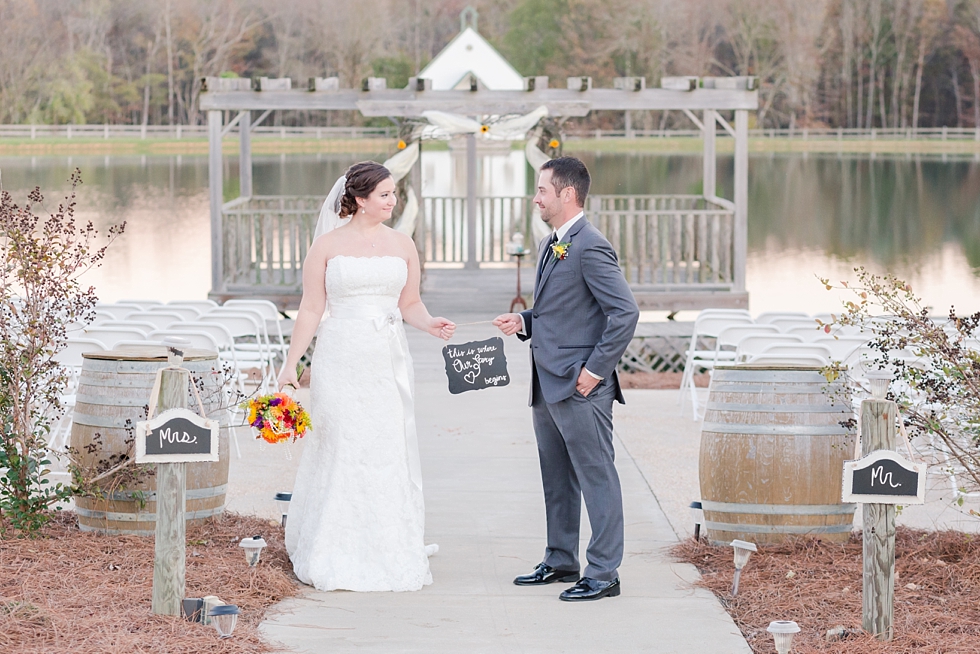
176	436
476	365
884	477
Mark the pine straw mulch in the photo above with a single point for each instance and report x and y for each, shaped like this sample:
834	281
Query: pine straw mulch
73	591
937	592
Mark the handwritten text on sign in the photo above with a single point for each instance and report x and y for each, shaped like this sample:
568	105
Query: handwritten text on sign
884	477
476	365
175	436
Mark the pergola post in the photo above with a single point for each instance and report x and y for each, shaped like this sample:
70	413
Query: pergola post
741	237
709	157
415	177
245	154
471	258
215	192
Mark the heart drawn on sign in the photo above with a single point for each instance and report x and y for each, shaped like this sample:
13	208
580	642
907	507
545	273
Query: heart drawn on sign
470	377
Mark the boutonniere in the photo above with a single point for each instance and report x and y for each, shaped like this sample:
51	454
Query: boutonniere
560	250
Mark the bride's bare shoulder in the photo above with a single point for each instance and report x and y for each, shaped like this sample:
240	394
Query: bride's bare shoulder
327	245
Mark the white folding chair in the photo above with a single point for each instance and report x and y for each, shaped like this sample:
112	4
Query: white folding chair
841	348
109	336
141	325
142	304
114	311
708	326
788	360
273	321
769	316
185	313
808	332
786	324
753	345
729	338
202	306
71	358
245	326
160	319
799	350
197	339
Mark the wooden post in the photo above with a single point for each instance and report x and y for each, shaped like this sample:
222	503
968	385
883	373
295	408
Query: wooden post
708	153
245	154
741	236
168	556
878	433
471	258
416	181
215	193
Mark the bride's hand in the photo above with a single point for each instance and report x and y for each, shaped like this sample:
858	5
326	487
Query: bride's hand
287	378
442	328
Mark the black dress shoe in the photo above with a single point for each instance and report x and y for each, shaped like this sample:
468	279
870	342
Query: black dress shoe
545	574
588	589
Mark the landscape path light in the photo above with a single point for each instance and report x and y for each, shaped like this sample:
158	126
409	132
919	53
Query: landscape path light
224	617
782	632
283	499
743	550
698	514
253	549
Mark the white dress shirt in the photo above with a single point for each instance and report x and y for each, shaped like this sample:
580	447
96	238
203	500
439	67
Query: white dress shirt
561	232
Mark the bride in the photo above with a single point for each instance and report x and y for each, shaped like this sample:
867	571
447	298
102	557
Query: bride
356	519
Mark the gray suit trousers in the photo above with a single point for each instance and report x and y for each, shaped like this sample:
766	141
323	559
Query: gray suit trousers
575	450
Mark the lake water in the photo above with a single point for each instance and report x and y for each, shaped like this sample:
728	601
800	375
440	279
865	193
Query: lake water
816	215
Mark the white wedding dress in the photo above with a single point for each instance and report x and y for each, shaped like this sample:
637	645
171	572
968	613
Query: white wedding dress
356	519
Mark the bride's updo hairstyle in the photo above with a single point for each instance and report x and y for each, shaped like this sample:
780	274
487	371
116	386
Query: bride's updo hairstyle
362	179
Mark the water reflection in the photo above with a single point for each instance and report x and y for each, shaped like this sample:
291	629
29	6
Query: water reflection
816	214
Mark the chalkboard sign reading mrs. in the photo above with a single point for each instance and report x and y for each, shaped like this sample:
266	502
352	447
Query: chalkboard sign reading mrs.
176	436
884	477
476	365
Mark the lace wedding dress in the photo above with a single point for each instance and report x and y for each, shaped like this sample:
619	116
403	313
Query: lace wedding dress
356	519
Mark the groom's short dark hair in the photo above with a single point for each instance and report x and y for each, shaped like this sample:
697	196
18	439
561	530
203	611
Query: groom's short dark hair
569	171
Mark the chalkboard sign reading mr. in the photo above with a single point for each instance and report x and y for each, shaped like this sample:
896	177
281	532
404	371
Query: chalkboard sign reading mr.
476	365
884	477
176	436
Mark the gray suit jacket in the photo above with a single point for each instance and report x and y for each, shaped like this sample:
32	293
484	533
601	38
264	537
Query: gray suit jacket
584	313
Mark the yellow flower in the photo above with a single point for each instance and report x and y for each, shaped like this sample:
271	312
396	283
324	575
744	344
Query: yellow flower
553	143
402	145
560	250
484	129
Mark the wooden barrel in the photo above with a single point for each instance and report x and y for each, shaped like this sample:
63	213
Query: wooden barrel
113	391
773	445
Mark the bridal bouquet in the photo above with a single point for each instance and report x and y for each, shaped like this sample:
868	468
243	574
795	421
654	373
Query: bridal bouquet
277	417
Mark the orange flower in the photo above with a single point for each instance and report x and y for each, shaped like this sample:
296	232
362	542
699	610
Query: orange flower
402	145
484	129
553	143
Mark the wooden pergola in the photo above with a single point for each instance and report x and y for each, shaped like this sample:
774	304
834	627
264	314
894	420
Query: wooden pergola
678	251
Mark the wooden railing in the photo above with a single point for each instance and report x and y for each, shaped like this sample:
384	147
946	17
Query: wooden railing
497	219
668	241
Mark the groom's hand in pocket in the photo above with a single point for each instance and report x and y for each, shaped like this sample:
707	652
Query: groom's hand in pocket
586	383
508	323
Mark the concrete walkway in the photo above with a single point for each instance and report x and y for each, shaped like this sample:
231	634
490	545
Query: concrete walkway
485	510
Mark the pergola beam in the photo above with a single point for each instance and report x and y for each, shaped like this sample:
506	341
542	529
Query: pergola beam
411	104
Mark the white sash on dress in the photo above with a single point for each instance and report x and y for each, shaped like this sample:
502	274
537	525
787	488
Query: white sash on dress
389	321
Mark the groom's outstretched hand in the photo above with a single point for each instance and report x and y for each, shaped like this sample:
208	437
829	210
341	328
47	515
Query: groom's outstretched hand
508	323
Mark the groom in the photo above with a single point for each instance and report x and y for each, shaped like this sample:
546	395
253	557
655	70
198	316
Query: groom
583	318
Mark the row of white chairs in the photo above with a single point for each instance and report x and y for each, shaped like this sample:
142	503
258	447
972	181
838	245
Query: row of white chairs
770	338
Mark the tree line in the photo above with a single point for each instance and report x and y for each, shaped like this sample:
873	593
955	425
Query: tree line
836	63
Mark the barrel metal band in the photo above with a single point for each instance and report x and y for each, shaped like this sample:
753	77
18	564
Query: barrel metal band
779	509
779	529
782	389
190	493
788	430
779	408
144	517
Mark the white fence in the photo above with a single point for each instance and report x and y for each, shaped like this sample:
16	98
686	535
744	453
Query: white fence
185	131
806	134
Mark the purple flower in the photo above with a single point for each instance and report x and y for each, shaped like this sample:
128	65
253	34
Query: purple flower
276	401
257	423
